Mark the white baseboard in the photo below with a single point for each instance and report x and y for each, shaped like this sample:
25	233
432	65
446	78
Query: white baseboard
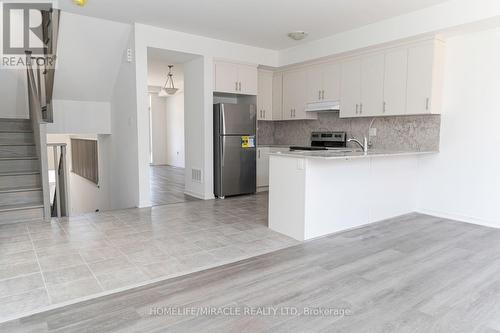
201	196
461	218
263	189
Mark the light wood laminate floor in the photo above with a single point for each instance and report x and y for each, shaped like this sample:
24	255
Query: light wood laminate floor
167	185
410	274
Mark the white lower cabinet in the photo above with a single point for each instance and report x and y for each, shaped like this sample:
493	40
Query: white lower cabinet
263	164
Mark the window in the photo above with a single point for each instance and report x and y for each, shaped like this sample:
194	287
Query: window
84	159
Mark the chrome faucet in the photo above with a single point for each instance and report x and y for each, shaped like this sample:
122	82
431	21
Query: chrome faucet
363	145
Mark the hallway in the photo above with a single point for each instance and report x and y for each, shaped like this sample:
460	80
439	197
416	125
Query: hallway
167	185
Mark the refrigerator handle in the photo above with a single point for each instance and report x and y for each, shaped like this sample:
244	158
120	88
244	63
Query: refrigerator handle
222	151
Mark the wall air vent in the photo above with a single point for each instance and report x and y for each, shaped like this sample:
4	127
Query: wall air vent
196	175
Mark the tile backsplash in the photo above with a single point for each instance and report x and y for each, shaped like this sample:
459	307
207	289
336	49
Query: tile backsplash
409	133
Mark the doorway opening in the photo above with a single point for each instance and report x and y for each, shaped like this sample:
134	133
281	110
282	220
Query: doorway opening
166	127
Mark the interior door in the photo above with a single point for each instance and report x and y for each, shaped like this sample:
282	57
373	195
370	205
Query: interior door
372	85
396	73
238	167
350	92
226	77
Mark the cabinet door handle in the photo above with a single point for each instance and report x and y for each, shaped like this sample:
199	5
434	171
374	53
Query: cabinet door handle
383	106
357	108
319	94
361	108
427	103
264	114
323	94
236	86
259	153
240	86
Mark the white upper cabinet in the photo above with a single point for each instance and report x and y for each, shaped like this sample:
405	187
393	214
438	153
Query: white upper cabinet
226	77
425	75
295	96
265	95
277	96
350	93
235	78
331	82
406	80
247	77
314	83
395	74
362	86
323	82
372	85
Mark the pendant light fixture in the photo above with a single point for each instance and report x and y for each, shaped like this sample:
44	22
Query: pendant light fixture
169	88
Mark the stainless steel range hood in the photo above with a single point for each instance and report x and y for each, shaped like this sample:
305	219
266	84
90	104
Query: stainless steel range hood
327	106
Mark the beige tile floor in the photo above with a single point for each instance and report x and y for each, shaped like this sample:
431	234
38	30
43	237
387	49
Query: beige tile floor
48	263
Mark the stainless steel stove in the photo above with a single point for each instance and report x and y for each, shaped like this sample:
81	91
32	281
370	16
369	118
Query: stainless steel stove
325	141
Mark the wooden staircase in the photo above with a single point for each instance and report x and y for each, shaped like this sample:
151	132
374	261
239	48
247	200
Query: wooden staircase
21	194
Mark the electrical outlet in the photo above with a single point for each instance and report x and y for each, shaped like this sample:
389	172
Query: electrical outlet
373	132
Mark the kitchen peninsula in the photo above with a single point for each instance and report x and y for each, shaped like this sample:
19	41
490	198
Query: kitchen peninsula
312	194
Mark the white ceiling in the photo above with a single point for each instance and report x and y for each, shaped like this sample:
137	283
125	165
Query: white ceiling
158	61
262	23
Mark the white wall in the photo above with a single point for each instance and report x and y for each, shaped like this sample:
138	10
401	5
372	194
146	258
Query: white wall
198	128
158	130
80	117
450	15
88	57
463	180
83	195
175	130
122	144
13	94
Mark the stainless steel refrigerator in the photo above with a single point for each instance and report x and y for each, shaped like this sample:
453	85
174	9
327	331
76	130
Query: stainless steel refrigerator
234	149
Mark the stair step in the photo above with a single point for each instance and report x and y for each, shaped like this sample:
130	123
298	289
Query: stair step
16	130
22	150
15	124
21	197
16	137
20	189
20	179
19	164
20	213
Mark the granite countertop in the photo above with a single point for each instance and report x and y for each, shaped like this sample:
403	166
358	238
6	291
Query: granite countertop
347	154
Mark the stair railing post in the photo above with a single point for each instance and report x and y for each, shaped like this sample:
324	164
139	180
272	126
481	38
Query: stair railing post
58	190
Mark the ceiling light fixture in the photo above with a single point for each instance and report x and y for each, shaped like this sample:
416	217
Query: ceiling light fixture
169	88
80	3
297	35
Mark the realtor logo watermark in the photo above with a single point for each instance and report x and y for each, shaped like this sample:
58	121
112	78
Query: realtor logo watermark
22	30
